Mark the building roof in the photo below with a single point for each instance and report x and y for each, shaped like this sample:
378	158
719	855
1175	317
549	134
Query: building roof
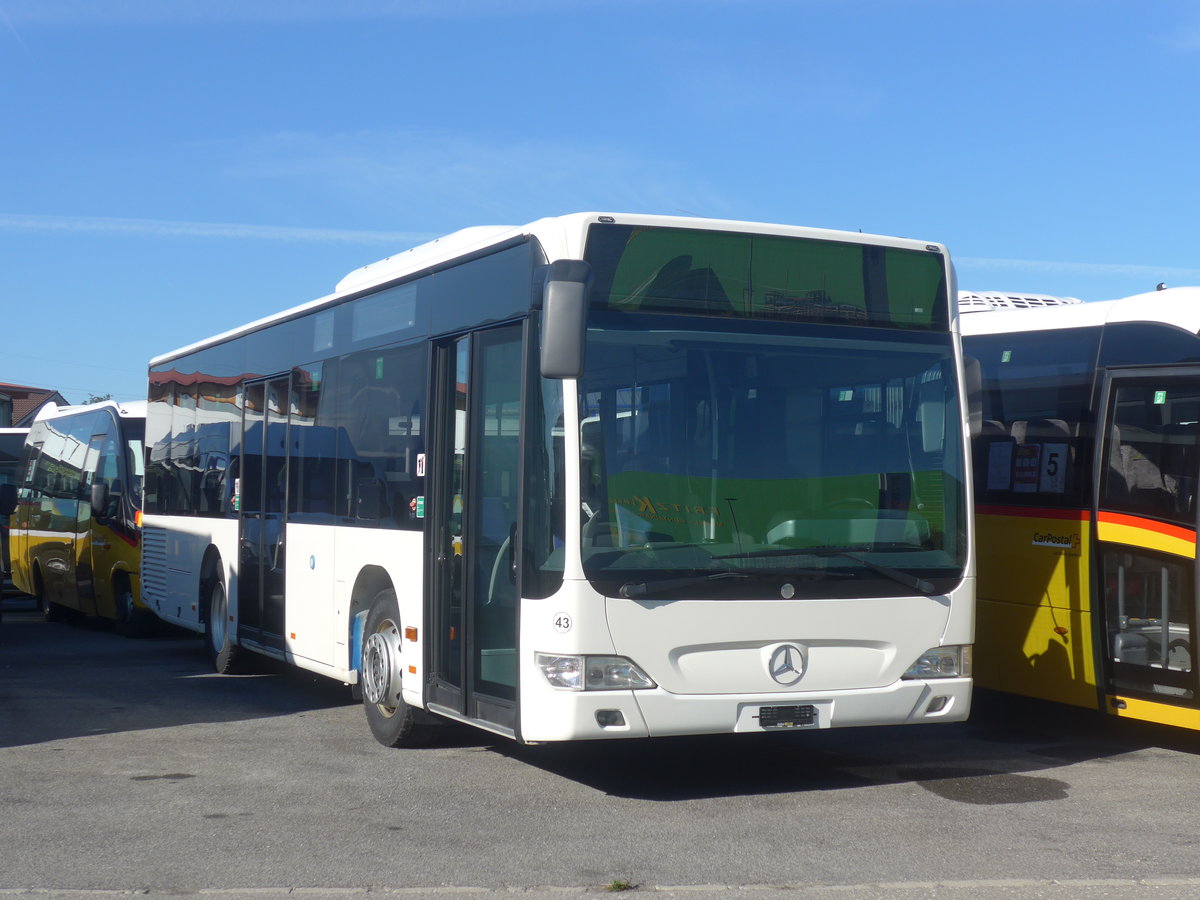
27	400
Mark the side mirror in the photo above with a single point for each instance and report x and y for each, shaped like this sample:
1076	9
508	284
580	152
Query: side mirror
99	498
973	385
8	499
564	318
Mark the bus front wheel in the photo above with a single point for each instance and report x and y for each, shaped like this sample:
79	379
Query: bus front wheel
393	722
50	610
131	622
217	639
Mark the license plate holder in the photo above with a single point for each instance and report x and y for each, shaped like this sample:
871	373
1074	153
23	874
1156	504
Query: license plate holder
774	718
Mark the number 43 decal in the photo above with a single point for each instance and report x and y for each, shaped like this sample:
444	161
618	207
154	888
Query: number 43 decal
562	622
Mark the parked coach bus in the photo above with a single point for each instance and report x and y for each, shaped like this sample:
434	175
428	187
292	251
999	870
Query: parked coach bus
75	538
1085	482
598	476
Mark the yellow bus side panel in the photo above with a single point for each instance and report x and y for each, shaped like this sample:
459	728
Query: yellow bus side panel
1160	713
1033	632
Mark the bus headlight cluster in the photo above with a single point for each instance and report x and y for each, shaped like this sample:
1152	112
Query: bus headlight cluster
593	673
942	662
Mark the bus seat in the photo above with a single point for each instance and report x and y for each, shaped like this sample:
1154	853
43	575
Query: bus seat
1136	478
1026	431
1179	463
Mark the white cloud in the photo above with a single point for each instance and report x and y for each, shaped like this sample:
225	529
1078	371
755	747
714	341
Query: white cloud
69	13
166	228
1078	268
422	175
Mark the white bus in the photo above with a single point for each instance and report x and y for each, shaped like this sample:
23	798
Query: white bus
600	476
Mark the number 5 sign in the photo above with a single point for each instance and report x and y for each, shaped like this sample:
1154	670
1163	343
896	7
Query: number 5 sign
1054	469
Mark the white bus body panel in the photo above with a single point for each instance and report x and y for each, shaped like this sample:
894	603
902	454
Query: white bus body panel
173	550
322	567
310	615
711	662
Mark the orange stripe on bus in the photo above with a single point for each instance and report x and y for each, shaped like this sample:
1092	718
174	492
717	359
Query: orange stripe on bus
1173	531
1134	531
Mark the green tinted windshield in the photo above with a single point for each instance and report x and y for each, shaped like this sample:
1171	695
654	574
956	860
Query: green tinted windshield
756	276
810	457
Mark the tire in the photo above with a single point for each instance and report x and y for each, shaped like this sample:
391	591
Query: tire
51	612
131	621
393	722
218	640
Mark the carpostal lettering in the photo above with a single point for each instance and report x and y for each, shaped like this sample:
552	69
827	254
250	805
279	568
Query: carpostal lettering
1058	541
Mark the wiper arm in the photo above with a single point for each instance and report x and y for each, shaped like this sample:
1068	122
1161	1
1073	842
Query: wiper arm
640	588
910	581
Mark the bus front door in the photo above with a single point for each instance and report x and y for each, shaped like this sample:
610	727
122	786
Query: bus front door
475	464
262	506
1145	511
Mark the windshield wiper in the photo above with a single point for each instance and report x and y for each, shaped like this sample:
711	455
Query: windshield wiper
854	553
640	588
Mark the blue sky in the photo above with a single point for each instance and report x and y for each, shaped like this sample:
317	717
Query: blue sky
170	169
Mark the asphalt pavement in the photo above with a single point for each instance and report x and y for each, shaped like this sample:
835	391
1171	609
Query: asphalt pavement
127	768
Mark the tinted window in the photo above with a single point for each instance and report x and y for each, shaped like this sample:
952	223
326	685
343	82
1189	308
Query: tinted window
190	423
363	407
380	422
754	276
1147	343
1035	448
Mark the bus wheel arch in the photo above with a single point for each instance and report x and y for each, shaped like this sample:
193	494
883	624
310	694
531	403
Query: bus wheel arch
214	608
370	582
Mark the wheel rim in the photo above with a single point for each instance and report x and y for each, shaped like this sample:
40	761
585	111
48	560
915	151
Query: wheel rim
381	667
217	613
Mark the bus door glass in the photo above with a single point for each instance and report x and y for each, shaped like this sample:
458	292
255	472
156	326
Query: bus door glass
263	501
474	518
1147	465
110	533
87	542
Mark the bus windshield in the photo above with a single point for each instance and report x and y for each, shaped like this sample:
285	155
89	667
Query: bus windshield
795	461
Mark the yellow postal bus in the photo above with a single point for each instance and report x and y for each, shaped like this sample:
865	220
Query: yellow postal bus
75	537
1086	517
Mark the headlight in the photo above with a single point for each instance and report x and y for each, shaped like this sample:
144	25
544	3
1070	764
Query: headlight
592	673
942	662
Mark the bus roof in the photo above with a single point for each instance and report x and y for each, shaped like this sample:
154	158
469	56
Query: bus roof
562	238
1173	306
135	409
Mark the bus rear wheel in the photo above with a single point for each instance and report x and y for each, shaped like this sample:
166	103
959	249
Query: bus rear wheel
393	722
217	639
